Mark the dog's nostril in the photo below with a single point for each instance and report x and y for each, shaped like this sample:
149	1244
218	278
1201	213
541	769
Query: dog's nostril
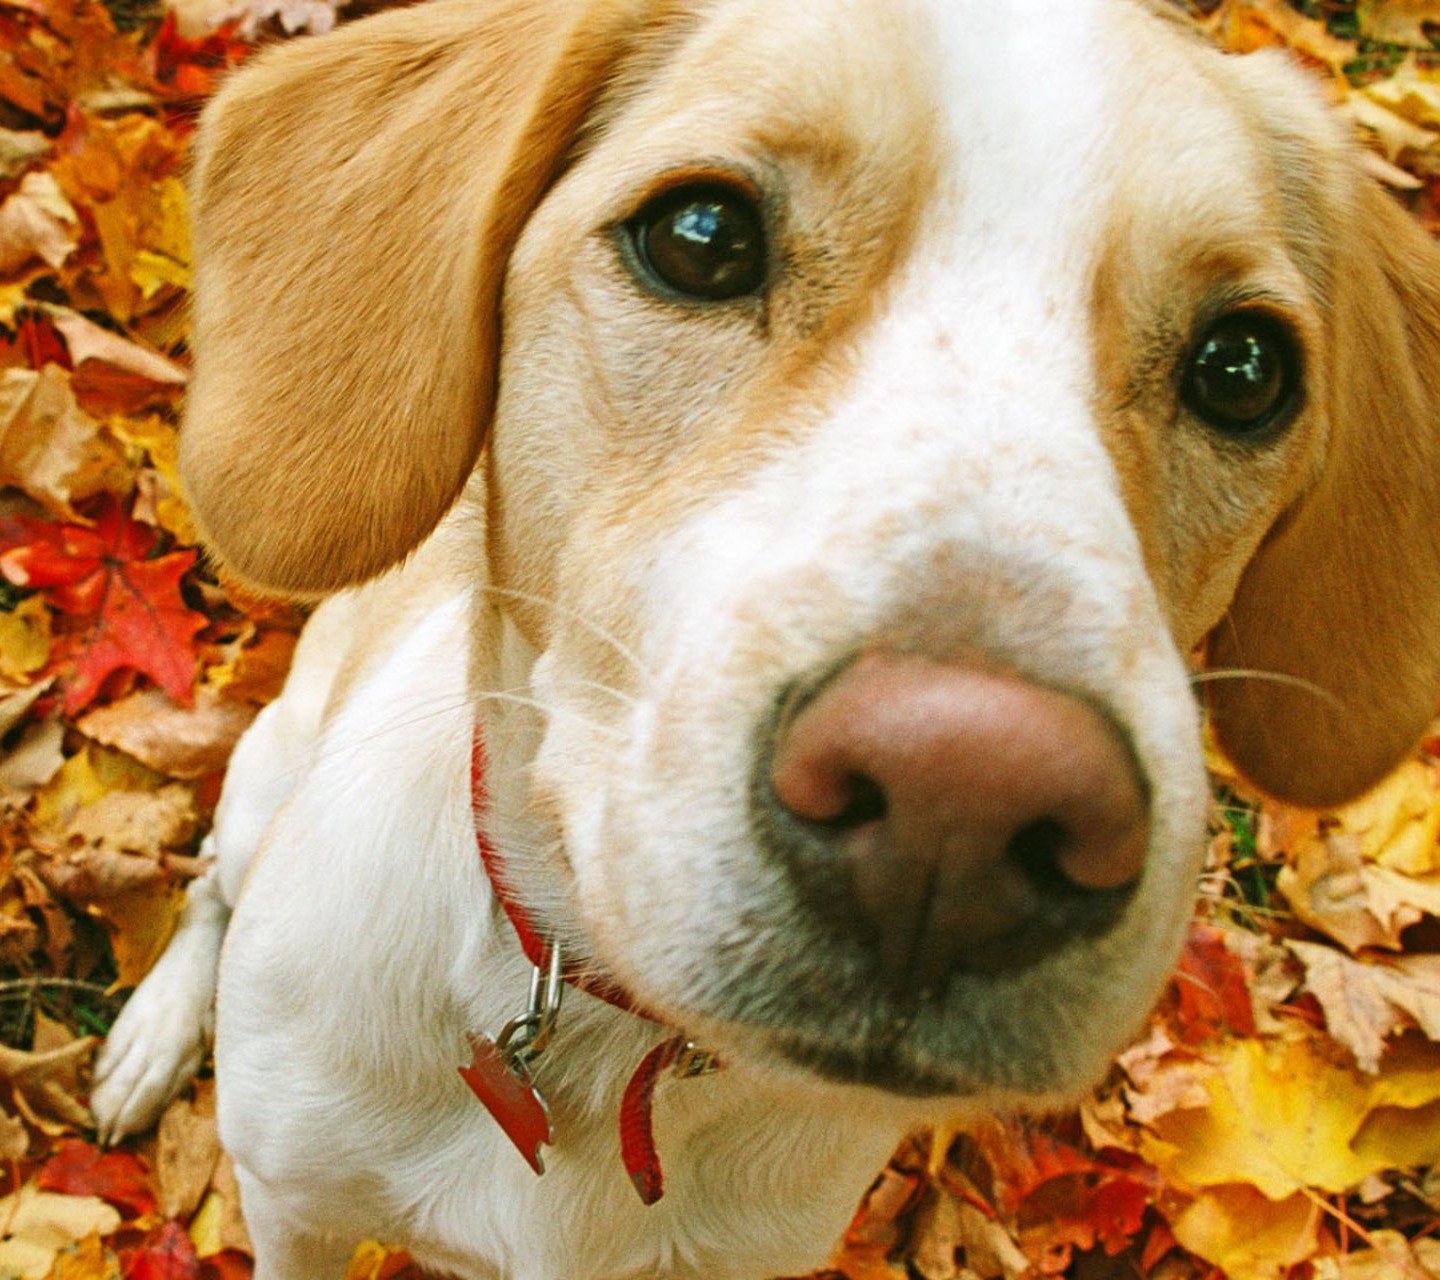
864	803
1035	849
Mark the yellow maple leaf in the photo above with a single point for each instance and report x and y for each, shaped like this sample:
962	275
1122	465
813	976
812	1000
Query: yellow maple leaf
1283	1116
24	639
1397	822
1247	1236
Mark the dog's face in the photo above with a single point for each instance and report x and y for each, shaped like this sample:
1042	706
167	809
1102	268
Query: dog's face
889	399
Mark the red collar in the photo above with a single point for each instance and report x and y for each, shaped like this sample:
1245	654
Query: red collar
503	1083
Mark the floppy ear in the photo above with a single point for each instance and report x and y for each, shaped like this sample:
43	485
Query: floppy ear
355	198
1344	595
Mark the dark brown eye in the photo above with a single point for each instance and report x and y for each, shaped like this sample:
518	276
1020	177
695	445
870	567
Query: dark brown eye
1243	374
702	241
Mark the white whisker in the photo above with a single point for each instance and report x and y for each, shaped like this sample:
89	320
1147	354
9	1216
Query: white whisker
1270	677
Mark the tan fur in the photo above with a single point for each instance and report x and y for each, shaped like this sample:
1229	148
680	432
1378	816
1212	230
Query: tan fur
331	423
1345	593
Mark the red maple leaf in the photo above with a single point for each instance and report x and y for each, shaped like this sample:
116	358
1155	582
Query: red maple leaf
167	1255
78	1169
130	609
1212	987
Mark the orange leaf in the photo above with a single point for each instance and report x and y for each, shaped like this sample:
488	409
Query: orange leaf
78	1169
131	605
167	1255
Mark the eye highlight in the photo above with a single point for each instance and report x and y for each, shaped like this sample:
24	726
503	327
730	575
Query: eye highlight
703	240
1242	377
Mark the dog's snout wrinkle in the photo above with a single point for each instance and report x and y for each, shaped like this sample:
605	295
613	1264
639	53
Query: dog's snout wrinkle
955	816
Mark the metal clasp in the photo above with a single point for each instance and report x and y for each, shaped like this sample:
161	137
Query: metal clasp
526	1037
694	1061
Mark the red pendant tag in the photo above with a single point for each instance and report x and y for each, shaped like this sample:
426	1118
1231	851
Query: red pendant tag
511	1098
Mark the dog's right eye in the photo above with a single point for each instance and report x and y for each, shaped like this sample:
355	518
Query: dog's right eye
704	241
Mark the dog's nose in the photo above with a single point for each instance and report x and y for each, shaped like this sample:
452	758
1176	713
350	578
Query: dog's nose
957	815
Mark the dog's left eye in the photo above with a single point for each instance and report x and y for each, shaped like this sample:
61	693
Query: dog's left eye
703	241
1243	375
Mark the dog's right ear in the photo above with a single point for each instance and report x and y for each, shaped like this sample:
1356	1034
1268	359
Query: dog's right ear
355	198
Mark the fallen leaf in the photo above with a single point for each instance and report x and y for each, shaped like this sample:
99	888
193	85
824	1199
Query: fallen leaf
85	876
24	647
32	763
1367	1000
1358	903
1397	21
118	1177
43	434
45	1089
1394	134
167	1255
1246	1235
15	704
88	341
1212	987
139	923
1397	822
186	1153
144	822
37	221
130	604
1390	1257
1283	1117
39	1224
183	742
19	150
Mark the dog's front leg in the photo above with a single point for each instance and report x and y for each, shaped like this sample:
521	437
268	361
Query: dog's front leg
285	1248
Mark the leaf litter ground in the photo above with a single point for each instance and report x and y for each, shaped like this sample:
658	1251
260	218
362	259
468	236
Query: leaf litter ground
1279	1119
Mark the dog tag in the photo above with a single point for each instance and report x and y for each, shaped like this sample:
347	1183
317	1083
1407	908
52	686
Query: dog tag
511	1098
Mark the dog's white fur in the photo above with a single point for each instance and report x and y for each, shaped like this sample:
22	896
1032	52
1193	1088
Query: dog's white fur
955	429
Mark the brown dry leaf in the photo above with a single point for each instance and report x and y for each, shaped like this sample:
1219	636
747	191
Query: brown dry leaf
1243	26
1390	1257
39	1224
990	1250
45	1083
16	703
936	1237
1365	1001
32	763
44	434
187	1151
1247	1236
88	341
1397	21
37	221
183	742
1335	892
18	151
231	1226
84	876
146	822
139	923
14	1137
1394	134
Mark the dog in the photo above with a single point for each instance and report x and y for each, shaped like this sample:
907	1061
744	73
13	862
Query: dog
767	468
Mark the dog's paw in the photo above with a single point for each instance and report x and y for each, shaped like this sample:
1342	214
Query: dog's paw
159	1040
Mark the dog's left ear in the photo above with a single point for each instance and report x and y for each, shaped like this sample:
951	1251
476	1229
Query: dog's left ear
355	199
1343	598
